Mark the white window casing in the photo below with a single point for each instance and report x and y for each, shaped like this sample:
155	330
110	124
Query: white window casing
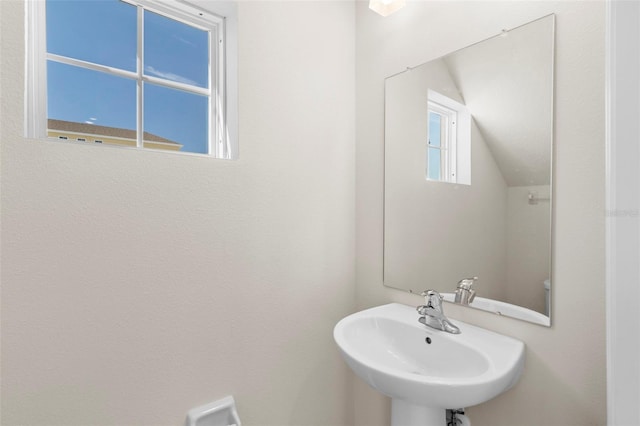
457	167
222	92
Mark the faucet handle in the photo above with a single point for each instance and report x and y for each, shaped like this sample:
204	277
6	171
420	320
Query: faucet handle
466	283
432	298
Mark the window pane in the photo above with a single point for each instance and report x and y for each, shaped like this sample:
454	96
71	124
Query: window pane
175	51
99	31
435	127
433	164
176	120
84	102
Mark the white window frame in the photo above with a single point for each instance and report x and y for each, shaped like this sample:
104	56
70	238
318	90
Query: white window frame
223	87
455	141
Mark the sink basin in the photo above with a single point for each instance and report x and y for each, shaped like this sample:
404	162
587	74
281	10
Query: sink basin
421	368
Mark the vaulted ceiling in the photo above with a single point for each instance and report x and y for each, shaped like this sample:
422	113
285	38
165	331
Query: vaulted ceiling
507	84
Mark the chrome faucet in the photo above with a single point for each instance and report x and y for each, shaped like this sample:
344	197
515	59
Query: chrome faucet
432	314
464	293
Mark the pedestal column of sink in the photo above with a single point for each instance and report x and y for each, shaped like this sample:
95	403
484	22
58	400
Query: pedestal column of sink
407	414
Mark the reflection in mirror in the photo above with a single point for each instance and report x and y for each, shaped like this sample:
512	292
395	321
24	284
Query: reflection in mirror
468	144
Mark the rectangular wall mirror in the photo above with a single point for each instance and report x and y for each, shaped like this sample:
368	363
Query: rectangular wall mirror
468	164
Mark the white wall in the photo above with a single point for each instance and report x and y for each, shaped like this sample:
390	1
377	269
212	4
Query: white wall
564	378
623	213
528	246
136	285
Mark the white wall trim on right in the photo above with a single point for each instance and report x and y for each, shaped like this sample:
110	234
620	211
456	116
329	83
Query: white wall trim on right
623	212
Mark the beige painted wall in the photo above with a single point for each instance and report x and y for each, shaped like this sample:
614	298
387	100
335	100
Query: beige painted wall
137	285
564	380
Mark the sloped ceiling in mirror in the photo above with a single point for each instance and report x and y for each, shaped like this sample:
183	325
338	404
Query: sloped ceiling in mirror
490	79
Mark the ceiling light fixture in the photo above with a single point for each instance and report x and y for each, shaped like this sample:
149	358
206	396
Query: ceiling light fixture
386	7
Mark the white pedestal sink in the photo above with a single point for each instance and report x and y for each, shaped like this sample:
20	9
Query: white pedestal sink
425	371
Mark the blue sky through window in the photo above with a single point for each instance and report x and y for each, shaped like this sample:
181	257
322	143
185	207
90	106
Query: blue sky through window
105	32
86	96
434	128
100	31
173	113
175	51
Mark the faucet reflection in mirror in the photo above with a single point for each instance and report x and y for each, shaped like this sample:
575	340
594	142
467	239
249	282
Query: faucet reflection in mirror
464	293
479	205
386	7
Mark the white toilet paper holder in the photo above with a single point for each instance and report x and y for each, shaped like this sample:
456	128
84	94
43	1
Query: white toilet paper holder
218	413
